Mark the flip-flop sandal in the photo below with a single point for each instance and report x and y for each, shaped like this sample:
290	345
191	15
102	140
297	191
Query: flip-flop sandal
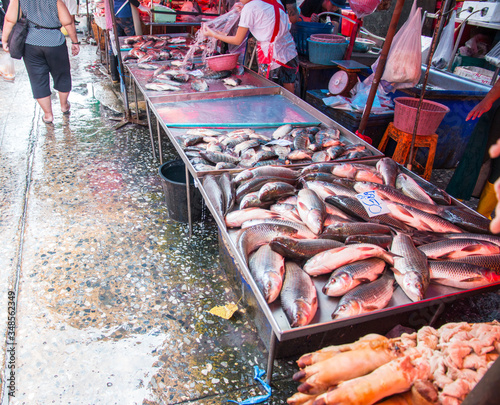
68	110
46	121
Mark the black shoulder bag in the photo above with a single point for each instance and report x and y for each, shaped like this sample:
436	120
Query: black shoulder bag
17	37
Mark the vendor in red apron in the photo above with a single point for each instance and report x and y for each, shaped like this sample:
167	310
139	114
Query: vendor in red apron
276	52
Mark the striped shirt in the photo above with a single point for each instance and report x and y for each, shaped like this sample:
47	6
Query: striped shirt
42	13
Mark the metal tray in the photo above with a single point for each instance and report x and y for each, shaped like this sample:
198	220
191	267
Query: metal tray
322	322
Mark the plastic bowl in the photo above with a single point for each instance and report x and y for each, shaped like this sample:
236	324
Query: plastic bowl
363	45
223	62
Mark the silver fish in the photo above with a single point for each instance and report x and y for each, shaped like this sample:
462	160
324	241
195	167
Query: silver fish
346	277
491	261
277	172
411	267
299	298
326	262
267	268
383	241
366	298
287	211
225	165
215	194
300	249
161	87
302	230
388	168
281	131
235	219
461	275
256	183
252	200
232	81
148	66
250	239
311	209
299	154
421	220
342	231
199	85
216	157
228	191
457	248
369	175
475	236
324	189
275	190
411	188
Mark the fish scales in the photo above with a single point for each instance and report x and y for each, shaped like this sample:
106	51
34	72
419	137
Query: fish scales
252	200
228	191
216	157
325	189
274	190
329	260
490	238
300	249
366	298
383	241
491	261
461	275
388	168
342	231
311	209
457	248
267	268
466	219
215	194
346	277
256	183
302	230
250	239
411	267
412	189
298	297
235	219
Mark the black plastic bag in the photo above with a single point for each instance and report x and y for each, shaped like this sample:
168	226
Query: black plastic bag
17	37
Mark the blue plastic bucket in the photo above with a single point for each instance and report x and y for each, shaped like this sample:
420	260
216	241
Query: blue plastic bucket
323	53
302	30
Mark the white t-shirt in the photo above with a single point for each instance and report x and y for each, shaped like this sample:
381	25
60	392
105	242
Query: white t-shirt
71	6
258	17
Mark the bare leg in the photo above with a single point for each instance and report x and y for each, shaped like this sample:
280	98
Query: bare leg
63	99
46	106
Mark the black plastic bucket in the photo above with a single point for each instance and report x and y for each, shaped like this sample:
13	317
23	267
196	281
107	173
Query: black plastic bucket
173	181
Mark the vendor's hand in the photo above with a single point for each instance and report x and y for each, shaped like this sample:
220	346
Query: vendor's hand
75	49
238	6
207	31
495	222
314	17
479	109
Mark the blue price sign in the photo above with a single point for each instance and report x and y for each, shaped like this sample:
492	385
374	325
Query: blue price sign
372	203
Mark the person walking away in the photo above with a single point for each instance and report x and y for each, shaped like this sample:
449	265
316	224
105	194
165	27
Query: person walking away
72	7
45	53
267	21
485	133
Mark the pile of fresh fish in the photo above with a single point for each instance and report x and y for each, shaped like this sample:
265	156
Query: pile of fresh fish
311	221
209	149
149	48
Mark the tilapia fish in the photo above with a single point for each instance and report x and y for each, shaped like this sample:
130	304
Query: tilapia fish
250	239
461	275
411	267
345	278
300	249
215	194
274	190
267	268
457	248
199	85
366	298
311	210
329	260
299	298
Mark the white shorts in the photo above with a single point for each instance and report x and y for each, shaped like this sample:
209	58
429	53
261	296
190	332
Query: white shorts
71	5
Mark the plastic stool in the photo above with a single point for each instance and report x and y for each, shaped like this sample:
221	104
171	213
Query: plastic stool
403	146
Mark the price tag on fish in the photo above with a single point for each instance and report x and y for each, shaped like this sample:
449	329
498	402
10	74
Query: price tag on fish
372	203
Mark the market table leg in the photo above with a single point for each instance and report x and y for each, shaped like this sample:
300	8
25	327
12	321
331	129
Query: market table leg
159	140
188	198
270	358
148	113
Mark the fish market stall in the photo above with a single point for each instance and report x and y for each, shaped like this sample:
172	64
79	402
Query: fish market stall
335	318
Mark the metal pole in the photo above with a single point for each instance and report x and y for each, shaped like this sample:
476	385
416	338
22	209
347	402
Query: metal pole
123	86
188	198
424	85
381	64
270	357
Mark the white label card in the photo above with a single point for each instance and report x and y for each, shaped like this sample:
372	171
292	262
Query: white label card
372	203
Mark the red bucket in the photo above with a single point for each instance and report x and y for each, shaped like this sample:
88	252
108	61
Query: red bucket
405	114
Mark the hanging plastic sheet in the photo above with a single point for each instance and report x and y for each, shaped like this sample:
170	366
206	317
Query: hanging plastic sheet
444	50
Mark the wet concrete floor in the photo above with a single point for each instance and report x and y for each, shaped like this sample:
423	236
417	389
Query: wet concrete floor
111	296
